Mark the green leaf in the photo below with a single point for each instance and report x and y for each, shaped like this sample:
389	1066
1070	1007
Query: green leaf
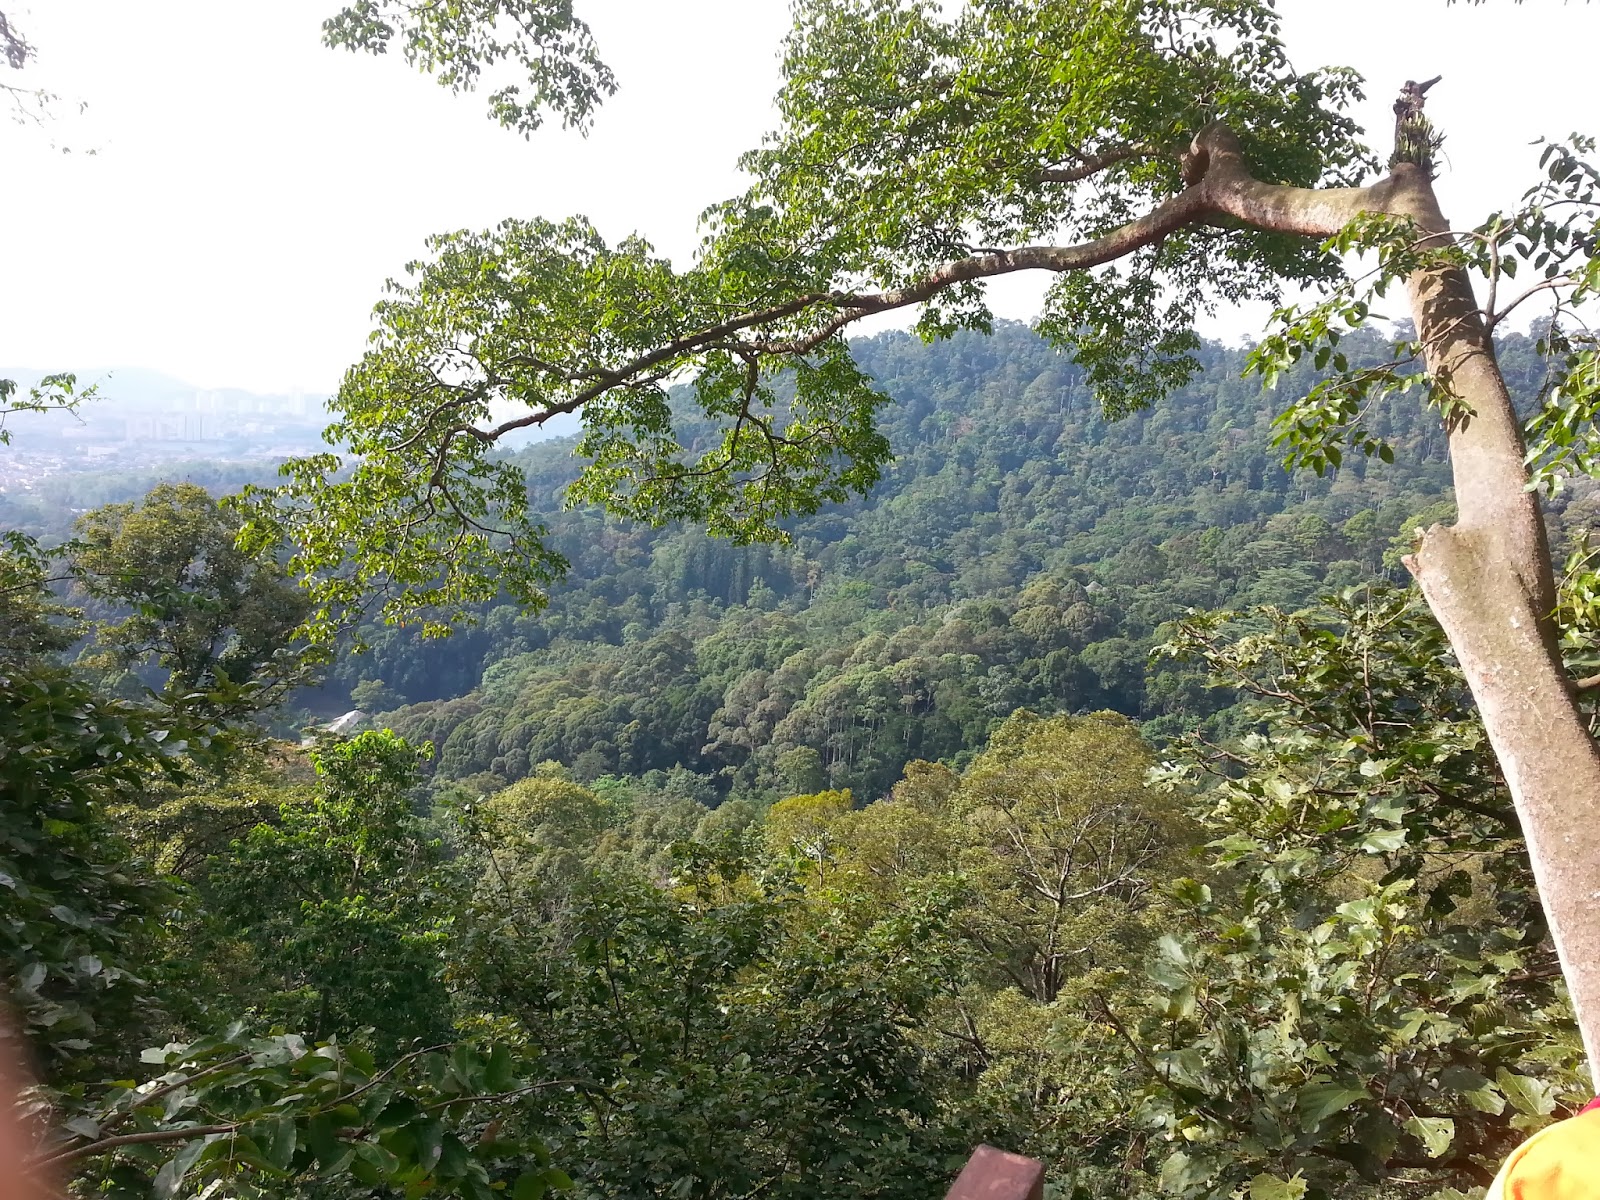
277	1139
530	1185
1169	968
1435	1133
170	1177
1383	841
467	1066
381	1160
1532	1097
1272	1187
374	1102
1186	1066
1378	1135
330	1152
1181	1003
1183	1171
1476	1089
430	1142
498	1075
1316	1102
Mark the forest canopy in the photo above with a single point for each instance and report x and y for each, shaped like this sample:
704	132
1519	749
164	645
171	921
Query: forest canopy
777	944
1045	748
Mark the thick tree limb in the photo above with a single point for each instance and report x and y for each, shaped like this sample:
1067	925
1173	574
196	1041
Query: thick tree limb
1221	187
1186	208
1231	190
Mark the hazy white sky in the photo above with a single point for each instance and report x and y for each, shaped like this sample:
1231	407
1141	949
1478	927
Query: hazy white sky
251	190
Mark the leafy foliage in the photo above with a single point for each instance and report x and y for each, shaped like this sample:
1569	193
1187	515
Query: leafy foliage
730	1039
78	906
911	137
534	316
216	619
33	623
1355	991
912	144
553	51
259	1114
53	393
1352	997
1065	844
1008	560
1551	235
1365	991
331	913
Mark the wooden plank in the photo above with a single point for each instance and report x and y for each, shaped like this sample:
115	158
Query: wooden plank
992	1174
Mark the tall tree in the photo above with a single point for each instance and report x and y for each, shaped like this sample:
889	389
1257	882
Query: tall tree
1159	157
217	620
1067	845
333	913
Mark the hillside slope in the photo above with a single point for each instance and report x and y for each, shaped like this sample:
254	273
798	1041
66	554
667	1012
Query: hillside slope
1020	551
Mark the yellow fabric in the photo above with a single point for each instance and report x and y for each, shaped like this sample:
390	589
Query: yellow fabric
1560	1162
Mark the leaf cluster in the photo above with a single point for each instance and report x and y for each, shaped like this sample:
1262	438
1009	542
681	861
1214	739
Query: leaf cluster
1366	992
258	1114
552	51
77	904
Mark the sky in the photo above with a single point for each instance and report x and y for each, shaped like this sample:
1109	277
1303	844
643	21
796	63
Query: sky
250	191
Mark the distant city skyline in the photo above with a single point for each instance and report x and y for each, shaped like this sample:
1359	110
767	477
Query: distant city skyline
139	416
250	191
142	418
145	387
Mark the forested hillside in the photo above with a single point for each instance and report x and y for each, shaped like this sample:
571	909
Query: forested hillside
1022	551
1133	794
792	870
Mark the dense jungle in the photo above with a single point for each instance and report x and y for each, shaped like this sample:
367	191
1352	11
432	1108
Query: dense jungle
1169	759
1093	789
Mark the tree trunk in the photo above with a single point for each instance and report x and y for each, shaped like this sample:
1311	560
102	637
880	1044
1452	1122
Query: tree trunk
1488	580
1488	577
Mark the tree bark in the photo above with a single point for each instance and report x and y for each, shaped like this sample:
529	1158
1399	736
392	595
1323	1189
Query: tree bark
1489	580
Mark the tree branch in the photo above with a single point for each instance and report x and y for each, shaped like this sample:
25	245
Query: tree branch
1220	187
141	1099
1094	164
1216	162
154	1136
1187	207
